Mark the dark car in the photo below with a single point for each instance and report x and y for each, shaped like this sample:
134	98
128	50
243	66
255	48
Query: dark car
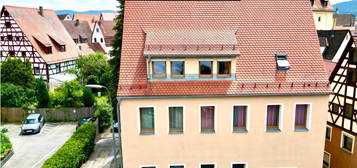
84	120
115	127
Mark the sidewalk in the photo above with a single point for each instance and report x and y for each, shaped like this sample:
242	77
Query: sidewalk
102	156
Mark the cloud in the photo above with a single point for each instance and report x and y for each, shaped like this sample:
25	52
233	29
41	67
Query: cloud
338	1
78	5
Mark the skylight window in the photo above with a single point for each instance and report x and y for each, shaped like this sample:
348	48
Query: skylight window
282	62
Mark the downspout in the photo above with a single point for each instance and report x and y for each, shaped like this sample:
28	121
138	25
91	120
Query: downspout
149	63
119	135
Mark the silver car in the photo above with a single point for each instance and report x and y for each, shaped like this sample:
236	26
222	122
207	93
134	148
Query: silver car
33	124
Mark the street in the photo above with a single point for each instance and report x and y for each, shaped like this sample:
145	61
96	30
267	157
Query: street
30	151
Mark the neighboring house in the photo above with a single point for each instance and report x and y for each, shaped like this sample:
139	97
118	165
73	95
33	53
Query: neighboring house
323	14
79	30
91	19
341	130
207	85
37	34
344	21
333	43
103	34
106	16
65	17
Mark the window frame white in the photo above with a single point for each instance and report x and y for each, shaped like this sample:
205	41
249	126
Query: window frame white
245	163
214	164
143	166
215	119
353	142
183	118
329	160
139	121
247	119
281	116
177	165
308	116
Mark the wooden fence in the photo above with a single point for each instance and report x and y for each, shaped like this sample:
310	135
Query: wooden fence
50	114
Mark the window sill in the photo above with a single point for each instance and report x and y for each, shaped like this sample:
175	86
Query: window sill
240	131
176	132
208	131
301	129
147	133
273	130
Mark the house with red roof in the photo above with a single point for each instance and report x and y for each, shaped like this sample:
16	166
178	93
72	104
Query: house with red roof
233	84
37	35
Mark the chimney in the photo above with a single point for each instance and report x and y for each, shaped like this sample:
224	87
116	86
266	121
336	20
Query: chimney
41	11
77	22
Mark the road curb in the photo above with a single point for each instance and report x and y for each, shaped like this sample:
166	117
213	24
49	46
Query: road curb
7	157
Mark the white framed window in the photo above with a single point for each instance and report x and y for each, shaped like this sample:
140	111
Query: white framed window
176	166
326	160
240	165
328	135
148	166
208	118
302	116
347	142
274	117
176	119
240	117
207	165
146	120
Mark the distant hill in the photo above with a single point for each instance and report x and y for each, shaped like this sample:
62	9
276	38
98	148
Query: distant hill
90	12
349	7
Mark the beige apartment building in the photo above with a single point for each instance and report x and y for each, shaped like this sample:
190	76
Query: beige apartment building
323	14
221	84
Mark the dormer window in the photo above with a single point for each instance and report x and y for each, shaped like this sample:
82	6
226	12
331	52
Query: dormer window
205	69
177	69
62	48
282	62
159	69
224	68
48	50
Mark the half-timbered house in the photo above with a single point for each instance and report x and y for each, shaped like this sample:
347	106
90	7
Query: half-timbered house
341	131
37	35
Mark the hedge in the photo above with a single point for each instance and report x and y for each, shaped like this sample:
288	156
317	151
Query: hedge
5	145
76	150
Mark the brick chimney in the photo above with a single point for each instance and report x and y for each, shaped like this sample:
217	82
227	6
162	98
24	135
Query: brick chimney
77	22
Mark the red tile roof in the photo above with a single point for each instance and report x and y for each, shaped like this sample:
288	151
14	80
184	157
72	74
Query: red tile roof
46	30
91	19
107	30
263	29
330	66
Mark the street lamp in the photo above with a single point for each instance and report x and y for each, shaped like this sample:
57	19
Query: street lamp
110	99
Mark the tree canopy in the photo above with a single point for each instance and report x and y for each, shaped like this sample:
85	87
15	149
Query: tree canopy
17	72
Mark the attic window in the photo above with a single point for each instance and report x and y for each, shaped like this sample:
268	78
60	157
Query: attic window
324	2
62	48
282	62
48	50
7	24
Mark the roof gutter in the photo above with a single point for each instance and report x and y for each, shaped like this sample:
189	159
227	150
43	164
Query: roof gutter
235	95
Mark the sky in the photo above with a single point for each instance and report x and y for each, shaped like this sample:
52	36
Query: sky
78	5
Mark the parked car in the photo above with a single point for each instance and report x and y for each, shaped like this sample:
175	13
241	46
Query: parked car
115	127
84	120
33	124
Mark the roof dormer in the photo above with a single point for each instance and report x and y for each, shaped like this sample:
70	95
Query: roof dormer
282	62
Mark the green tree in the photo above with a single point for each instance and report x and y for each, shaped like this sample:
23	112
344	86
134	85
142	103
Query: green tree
17	72
116	53
16	96
70	94
103	113
88	97
42	94
91	69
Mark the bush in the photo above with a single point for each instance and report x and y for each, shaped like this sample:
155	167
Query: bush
5	145
69	95
16	96
88	97
17	72
42	95
103	113
76	150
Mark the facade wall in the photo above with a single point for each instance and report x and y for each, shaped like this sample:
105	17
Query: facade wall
339	157
323	20
97	36
260	149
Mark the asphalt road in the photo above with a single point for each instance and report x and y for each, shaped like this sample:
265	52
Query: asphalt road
30	151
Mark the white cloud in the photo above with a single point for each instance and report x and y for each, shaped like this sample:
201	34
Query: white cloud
78	5
338	1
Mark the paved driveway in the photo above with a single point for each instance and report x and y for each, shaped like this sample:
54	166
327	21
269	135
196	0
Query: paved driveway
30	151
